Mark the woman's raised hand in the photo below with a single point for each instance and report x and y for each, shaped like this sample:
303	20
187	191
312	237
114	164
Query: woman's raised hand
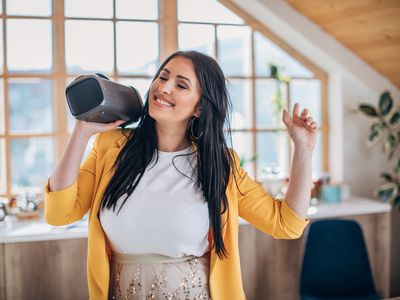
302	129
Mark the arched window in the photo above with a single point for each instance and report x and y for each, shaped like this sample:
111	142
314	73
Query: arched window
262	79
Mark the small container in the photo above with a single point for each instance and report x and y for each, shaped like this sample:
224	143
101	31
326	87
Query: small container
273	179
331	193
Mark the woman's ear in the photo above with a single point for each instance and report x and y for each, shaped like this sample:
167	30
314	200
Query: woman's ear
197	112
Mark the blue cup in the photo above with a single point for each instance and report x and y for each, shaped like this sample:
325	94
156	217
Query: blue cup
331	193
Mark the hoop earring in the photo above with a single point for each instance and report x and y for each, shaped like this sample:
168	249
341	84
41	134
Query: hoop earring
191	130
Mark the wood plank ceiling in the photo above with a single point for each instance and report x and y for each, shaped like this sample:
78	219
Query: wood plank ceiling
370	28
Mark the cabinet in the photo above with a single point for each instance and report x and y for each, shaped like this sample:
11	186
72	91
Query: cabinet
271	268
53	269
38	261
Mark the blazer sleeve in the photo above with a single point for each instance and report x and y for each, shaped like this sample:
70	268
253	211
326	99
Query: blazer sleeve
270	215
72	203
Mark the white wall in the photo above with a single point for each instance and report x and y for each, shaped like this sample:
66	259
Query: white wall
351	81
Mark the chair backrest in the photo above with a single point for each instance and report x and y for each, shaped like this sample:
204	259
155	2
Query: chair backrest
335	262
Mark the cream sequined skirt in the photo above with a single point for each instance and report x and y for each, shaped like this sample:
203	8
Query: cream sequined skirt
153	276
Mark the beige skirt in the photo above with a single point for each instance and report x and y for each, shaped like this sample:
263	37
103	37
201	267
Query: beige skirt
154	276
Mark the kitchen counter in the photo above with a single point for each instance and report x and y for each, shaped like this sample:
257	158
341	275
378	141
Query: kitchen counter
38	230
33	253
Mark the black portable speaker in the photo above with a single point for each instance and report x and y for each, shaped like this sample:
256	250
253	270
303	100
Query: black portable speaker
95	98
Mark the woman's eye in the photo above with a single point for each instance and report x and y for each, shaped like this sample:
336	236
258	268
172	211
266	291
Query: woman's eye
181	86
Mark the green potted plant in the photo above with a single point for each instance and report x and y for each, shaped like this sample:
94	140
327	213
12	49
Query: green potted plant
278	102
244	161
385	126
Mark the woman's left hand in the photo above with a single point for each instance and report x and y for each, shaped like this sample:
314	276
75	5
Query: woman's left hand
302	129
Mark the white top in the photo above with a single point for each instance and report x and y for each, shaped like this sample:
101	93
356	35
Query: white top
166	214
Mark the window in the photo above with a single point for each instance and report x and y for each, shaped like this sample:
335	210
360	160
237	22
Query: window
43	53
47	43
247	57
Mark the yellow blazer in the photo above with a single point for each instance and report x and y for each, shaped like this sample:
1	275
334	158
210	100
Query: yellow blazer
267	214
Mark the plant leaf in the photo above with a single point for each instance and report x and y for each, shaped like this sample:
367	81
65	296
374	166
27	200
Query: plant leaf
368	110
386	192
394	119
385	103
397	168
374	134
387	177
396	201
393	139
255	157
274	71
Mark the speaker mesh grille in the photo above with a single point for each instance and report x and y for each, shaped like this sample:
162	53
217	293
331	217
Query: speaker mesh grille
84	96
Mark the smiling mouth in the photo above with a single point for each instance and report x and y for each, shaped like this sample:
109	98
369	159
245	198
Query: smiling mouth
162	103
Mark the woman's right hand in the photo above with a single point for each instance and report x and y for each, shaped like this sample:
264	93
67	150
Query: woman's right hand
90	128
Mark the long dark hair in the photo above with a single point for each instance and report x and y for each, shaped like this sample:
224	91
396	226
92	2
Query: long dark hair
214	160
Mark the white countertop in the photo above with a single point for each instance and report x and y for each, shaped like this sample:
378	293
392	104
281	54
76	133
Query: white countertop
355	206
39	230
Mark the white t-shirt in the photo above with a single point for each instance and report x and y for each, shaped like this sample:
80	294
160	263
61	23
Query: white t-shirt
166	214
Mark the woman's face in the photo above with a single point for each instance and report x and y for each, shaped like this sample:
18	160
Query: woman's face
175	94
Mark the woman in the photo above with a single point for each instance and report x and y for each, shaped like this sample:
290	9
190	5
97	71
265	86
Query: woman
165	197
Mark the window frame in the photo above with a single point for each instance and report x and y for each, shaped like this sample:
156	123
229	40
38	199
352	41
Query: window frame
168	43
319	74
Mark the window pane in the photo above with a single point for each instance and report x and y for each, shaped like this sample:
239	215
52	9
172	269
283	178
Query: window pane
267	53
89	8
70	118
89	46
271	98
206	11
142	85
240	92
197	37
2	166
243	145
308	94
316	157
34	35
137	58
272	151
137	9
2	115
29	8
1	47
234	50
30	104
71	121
31	163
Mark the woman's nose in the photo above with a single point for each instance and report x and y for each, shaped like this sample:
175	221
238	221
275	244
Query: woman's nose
165	87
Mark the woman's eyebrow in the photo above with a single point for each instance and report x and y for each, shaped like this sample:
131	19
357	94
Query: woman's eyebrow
179	76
